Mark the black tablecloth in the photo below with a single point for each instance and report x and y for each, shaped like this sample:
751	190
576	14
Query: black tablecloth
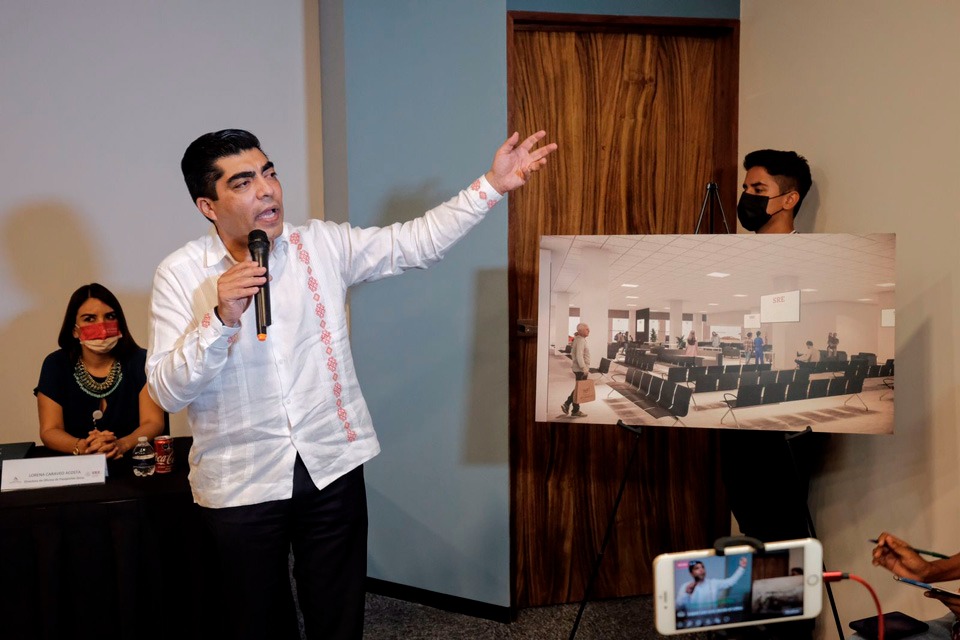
129	558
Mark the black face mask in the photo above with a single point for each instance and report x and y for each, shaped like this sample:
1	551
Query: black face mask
752	210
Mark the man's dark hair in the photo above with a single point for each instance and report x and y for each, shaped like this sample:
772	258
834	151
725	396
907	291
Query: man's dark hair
694	564
199	163
788	169
126	346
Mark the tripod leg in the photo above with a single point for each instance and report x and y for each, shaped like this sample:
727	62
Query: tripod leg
723	216
703	207
606	537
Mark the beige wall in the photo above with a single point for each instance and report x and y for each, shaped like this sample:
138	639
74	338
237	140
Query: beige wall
868	90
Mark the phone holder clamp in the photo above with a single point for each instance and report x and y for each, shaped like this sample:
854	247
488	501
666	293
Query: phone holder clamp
721	544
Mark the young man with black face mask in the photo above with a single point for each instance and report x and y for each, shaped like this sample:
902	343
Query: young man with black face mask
766	479
773	190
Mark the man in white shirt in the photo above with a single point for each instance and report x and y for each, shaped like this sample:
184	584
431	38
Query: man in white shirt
280	427
809	355
703	593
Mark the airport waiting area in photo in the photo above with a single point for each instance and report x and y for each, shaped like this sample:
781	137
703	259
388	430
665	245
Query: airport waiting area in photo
651	385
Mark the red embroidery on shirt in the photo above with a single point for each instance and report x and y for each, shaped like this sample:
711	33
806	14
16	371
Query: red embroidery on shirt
476	185
232	339
483	195
491	203
326	337
206	320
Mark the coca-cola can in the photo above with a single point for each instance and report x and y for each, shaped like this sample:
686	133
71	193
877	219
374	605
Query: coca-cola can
164	448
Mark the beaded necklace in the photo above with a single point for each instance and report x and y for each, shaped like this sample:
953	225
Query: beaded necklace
91	387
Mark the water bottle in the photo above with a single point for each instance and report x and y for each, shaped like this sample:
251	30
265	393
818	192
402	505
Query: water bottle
144	458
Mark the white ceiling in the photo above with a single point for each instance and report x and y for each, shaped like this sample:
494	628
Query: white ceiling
841	267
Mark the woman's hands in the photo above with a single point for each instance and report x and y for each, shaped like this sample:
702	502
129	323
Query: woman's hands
104	442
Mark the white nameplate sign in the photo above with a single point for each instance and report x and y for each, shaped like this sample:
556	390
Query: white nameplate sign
60	471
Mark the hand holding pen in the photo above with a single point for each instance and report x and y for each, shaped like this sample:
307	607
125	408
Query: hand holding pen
923	552
903	560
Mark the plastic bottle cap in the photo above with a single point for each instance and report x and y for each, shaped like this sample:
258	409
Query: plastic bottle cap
142	439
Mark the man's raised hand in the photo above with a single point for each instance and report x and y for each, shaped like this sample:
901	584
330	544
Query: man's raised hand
513	163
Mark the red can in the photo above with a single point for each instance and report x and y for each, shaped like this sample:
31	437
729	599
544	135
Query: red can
163	445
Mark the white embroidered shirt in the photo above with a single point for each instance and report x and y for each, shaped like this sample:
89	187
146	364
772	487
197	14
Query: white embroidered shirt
253	405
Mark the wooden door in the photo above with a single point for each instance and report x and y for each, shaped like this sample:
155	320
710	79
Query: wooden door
644	111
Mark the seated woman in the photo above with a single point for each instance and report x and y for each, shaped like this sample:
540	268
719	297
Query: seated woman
92	395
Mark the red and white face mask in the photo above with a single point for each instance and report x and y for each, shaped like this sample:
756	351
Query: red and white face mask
99	337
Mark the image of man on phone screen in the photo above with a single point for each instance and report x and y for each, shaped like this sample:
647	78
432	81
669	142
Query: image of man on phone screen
702	593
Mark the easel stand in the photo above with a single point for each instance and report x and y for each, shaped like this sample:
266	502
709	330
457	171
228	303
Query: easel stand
613	518
801	493
711	198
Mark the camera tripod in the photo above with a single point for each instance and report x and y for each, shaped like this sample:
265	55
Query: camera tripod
711	197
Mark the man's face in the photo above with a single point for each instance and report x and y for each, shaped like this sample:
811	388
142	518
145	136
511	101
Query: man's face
760	183
698	571
585	331
249	196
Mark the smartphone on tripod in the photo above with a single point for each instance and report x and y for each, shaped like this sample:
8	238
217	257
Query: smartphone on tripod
701	591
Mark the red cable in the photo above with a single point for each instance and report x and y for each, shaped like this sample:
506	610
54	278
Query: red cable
836	576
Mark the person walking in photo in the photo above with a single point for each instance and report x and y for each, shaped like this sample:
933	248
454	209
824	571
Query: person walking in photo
580	356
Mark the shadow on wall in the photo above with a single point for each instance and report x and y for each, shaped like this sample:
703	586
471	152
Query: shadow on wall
806	220
402	205
486	395
50	253
489	380
475	569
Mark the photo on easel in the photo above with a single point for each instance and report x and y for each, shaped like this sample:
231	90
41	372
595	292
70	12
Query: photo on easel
734	331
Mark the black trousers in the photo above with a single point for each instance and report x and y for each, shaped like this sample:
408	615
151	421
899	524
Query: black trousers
767	482
327	531
767	493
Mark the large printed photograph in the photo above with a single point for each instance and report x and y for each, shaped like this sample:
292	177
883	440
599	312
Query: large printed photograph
737	331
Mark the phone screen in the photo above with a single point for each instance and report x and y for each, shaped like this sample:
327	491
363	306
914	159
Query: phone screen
722	590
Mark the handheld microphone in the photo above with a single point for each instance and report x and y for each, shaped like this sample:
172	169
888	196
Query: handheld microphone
259	247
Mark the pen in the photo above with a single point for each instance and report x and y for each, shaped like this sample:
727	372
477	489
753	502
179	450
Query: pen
932	554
